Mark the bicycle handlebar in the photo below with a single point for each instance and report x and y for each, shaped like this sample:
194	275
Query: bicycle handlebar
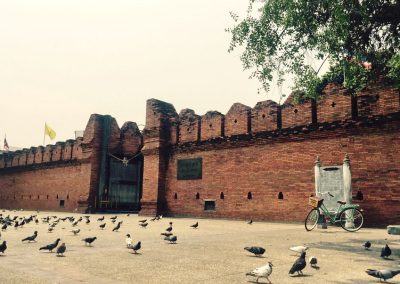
330	194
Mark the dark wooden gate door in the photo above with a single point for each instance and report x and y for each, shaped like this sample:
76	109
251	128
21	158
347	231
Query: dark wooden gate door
125	184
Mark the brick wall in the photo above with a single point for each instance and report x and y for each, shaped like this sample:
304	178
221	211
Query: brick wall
285	164
43	188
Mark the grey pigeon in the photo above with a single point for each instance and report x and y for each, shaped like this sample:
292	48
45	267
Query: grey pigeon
171	239
313	262
262	272
195	226
257	251
117	227
61	249
382	274
299	264
137	247
367	245
50	247
76	231
89	240
31	238
250	222
386	251
3	247
143	225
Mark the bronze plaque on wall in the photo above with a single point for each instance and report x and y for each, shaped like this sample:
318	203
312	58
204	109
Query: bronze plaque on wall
190	169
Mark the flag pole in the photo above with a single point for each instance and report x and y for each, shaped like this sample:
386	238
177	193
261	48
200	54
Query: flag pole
44	134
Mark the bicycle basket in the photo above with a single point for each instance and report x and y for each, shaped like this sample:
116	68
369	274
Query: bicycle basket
315	202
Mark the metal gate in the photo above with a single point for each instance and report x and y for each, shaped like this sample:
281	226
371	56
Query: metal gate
124	185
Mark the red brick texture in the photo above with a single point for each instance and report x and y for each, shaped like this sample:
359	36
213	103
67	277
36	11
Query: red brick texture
43	188
285	164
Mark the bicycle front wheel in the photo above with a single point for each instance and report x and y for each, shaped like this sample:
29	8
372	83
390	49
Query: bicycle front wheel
351	219
311	219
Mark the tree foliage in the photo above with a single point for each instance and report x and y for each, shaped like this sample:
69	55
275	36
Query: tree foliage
278	35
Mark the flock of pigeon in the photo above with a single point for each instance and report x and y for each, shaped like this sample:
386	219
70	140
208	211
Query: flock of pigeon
260	272
300	263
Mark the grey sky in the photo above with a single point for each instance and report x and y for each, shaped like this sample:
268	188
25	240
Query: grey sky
62	60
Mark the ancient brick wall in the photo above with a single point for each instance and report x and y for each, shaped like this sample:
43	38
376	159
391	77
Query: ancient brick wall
64	176
46	188
258	163
284	164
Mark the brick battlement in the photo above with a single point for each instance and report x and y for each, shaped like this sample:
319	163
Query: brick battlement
334	105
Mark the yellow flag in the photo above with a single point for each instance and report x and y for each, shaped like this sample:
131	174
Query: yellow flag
50	132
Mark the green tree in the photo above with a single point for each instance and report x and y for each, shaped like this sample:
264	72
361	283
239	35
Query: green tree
277	36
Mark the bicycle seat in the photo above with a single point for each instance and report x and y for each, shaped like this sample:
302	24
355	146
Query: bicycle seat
341	202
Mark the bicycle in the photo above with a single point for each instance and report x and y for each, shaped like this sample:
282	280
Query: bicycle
350	217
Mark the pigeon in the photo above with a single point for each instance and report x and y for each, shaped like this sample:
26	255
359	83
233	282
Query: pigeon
171	239
87	221
386	252
3	247
75	223
36	221
128	241
113	221
50	229
144	225
313	262
100	219
4	227
195	226
61	249
299	264
367	245
89	240
153	219
169	229
31	238
382	274
113	218
102	226
137	247
299	249
143	221
76	231
50	247
117	227
166	234
262	272
257	251
250	222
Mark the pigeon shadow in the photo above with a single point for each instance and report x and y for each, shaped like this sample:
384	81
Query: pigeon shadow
137	253
300	275
256	256
60	255
253	281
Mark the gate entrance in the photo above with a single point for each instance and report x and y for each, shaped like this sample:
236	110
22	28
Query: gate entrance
124	185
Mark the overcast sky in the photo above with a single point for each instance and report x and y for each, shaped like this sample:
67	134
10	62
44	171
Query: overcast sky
62	60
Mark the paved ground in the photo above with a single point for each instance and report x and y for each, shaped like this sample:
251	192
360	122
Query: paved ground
211	254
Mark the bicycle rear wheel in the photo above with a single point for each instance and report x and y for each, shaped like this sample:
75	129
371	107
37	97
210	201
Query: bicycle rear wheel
351	219
311	219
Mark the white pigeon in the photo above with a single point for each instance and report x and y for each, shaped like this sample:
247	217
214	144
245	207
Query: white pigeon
299	249
262	272
128	241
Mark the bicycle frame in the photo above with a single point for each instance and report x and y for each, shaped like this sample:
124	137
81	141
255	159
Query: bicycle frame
334	217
